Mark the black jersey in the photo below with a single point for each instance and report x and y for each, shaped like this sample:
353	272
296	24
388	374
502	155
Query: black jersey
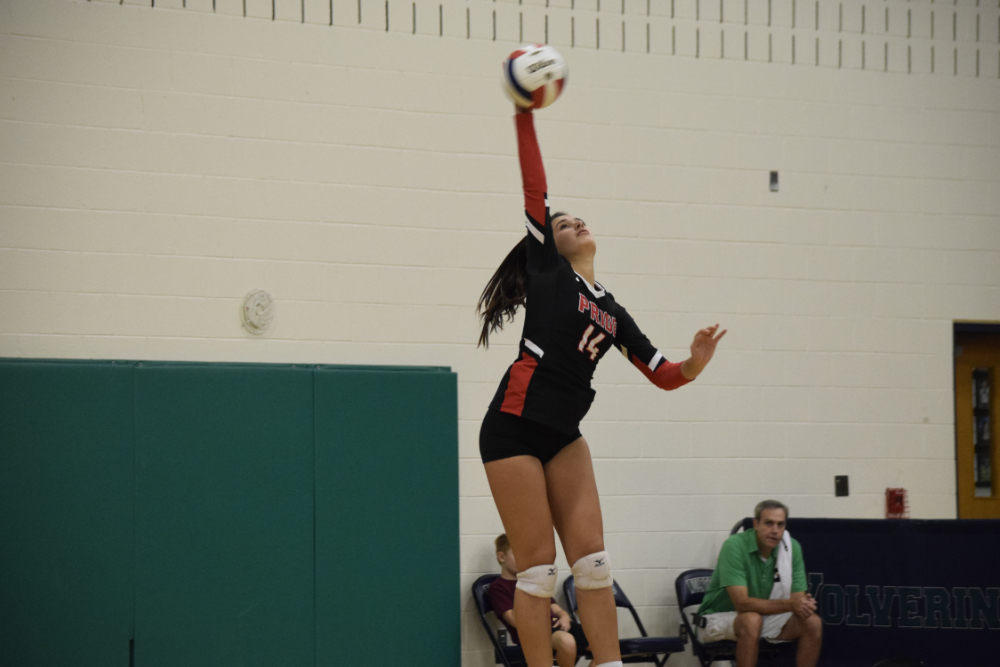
569	324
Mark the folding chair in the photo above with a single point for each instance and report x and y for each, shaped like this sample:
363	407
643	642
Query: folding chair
743	524
691	587
510	656
636	649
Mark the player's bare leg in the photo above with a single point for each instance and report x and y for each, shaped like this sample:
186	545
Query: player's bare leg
747	627
576	514
518	485
809	632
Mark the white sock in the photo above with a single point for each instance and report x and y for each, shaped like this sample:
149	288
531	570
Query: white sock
616	663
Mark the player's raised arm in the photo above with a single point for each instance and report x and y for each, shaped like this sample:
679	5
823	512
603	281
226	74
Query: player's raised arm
532	173
542	255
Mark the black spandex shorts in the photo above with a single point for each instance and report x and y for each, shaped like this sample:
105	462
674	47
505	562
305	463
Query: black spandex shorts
504	435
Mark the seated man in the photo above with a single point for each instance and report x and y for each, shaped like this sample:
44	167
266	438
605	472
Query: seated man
758	590
566	633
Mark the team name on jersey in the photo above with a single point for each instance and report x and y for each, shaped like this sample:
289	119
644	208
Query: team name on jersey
607	322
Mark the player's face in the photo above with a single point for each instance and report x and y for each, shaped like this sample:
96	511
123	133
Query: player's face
573	238
771	527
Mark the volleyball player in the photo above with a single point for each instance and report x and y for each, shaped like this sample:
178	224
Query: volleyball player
537	462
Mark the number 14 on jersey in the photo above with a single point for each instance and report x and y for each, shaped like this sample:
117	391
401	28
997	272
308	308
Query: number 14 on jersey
591	344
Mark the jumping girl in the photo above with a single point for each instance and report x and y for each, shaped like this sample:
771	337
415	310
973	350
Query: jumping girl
537	462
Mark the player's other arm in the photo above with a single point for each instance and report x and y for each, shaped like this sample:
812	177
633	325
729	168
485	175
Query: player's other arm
702	351
664	374
634	345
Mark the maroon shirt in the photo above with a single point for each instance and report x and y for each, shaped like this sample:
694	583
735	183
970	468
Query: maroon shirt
501	595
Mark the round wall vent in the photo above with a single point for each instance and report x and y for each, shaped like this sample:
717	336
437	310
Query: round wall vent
257	312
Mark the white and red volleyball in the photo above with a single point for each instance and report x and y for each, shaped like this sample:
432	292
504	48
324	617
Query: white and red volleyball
534	76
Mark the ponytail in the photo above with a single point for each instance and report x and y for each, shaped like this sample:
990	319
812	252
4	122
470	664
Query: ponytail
507	289
505	292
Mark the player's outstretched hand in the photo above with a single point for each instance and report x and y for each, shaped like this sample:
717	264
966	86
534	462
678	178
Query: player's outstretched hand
702	349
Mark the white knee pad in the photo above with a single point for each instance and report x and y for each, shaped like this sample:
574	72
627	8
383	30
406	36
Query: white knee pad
593	571
539	581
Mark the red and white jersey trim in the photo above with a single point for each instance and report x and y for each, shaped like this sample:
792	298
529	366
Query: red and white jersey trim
534	348
534	230
657	358
596	289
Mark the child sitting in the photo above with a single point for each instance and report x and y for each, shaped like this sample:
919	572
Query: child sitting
566	634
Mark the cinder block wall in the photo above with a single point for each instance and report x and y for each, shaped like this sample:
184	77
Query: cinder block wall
160	159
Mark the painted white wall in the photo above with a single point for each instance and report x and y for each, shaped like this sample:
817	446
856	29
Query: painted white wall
159	162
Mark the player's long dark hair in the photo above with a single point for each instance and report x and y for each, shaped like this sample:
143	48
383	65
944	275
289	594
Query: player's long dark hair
506	290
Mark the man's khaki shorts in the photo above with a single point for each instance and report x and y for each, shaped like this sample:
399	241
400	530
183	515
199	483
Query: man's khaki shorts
719	627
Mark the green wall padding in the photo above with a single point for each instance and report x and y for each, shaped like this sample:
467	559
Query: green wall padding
227	514
387	569
224	516
66	514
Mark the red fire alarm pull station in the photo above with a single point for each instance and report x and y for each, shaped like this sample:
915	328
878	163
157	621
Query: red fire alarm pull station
896	505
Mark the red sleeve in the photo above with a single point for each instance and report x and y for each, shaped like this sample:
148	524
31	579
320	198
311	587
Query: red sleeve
641	354
532	170
667	375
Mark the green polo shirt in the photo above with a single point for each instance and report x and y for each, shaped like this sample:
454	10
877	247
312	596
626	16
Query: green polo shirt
740	564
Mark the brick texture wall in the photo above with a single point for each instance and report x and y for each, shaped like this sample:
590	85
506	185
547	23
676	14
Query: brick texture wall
160	159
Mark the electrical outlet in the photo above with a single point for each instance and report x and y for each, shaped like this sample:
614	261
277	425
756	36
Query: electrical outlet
840	486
